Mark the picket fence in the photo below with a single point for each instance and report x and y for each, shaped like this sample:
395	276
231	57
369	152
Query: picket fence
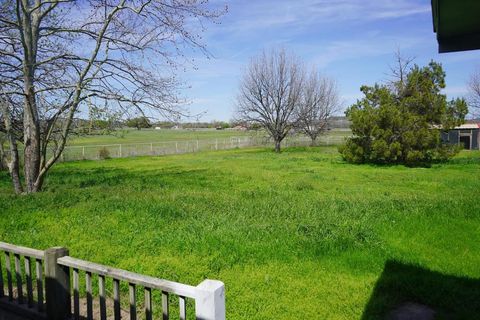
44	287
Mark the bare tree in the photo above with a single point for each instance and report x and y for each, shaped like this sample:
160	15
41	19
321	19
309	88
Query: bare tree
270	91
474	93
399	71
57	54
319	100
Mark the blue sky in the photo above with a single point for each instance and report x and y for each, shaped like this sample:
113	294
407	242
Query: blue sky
351	41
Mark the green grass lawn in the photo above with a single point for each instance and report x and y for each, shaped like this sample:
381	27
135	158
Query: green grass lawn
296	235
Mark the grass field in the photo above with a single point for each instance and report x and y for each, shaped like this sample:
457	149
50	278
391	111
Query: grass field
132	136
296	235
151	135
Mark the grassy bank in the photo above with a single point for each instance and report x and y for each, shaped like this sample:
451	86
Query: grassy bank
296	235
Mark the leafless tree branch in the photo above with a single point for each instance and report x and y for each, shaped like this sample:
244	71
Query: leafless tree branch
55	54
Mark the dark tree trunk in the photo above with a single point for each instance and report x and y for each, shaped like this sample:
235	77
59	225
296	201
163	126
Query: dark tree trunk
277	146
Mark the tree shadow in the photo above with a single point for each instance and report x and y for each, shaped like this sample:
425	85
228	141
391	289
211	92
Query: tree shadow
400	285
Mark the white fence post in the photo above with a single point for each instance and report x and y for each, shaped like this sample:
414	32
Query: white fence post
120	150
210	301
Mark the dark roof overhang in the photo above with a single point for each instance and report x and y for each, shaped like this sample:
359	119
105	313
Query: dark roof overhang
457	24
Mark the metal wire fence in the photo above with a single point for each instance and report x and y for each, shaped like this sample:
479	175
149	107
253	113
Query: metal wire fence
124	150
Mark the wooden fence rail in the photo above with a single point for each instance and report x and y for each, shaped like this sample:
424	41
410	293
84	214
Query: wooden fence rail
63	272
35	307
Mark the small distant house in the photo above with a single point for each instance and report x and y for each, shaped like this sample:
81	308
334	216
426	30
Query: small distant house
240	128
466	135
158	128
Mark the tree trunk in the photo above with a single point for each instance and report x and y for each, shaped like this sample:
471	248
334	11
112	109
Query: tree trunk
31	122
3	157
14	164
31	139
14	169
277	146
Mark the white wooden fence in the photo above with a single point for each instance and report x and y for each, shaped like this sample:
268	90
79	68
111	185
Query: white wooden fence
50	295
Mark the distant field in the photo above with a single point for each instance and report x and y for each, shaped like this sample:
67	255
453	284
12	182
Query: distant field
131	136
296	235
151	135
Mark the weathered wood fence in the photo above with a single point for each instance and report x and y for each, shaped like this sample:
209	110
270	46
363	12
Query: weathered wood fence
48	294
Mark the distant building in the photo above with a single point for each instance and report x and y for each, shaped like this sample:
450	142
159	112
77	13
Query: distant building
338	122
466	135
158	128
240	128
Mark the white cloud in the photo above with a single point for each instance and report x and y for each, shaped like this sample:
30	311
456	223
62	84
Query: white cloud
286	13
362	48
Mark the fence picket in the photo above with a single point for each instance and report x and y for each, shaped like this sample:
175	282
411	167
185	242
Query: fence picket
28	280
101	293
8	268
18	276
39	278
116	299
183	308
148	304
88	287
165	306
133	301
2	292
76	295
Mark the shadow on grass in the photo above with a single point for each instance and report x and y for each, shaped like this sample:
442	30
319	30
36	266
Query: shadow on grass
449	297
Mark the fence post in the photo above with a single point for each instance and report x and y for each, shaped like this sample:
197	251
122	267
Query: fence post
216	144
210	300
120	153
197	145
57	285
83	152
